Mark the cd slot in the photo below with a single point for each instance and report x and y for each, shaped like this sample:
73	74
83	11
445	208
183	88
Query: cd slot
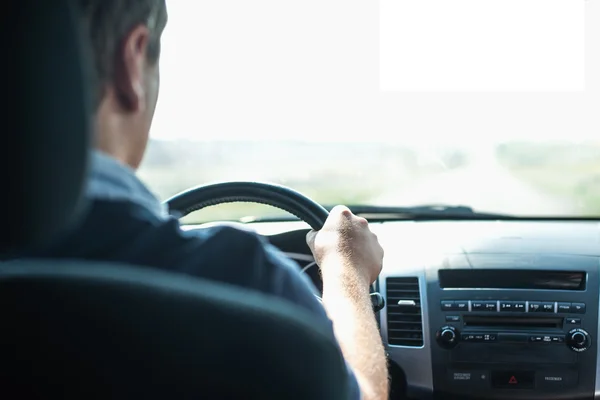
475	321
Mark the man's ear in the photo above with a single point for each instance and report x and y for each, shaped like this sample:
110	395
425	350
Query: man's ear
130	69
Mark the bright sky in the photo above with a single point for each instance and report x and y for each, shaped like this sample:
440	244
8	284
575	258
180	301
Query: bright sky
484	70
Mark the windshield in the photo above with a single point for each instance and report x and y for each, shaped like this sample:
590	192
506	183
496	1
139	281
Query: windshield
490	104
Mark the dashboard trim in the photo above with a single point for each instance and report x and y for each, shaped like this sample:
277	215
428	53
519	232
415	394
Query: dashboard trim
415	361
597	386
420	249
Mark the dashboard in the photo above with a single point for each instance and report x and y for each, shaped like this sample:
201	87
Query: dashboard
484	309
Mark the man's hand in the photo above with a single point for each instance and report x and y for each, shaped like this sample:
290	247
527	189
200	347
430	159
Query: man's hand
346	241
350	259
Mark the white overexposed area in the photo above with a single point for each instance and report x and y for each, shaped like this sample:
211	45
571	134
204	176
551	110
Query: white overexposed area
482	45
493	104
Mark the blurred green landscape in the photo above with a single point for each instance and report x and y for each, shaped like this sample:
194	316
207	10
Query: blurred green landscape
561	169
520	178
330	173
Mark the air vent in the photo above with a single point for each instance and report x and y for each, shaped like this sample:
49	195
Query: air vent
404	317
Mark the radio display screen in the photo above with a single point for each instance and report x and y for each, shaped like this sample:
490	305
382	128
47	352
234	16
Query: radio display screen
511	279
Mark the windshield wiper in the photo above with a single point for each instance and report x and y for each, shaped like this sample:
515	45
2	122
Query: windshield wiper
385	213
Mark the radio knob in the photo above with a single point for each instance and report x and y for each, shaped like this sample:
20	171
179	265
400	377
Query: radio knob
447	337
578	340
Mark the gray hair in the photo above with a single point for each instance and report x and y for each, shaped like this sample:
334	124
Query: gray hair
107	22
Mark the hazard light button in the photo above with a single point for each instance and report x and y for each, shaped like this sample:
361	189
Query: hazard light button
513	379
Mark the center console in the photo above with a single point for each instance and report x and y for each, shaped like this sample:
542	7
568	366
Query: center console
499	333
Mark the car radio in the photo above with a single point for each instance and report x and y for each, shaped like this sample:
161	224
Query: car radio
514	334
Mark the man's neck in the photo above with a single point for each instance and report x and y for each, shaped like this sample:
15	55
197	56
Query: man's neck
116	135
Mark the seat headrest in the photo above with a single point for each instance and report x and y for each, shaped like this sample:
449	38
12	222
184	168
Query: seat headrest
47	126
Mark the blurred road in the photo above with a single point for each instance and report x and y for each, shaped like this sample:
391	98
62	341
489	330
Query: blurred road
486	186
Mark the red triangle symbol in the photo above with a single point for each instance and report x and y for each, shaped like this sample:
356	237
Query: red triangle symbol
512	380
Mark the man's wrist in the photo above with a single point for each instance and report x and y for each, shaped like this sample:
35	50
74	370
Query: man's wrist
347	279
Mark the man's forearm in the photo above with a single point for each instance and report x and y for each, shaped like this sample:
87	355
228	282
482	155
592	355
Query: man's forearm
349	306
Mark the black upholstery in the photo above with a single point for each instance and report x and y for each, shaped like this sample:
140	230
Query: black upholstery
75	329
46	122
113	332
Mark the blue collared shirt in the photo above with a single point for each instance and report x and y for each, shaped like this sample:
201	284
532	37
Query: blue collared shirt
112	180
207	253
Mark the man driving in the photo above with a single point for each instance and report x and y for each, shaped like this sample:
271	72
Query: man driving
128	224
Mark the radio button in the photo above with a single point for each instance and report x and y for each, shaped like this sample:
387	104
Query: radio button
490	306
506	306
513	380
578	308
489	337
578	340
461	305
547	339
548	307
467	337
448	305
535	306
519	306
573	321
469	378
447	337
564	307
477	306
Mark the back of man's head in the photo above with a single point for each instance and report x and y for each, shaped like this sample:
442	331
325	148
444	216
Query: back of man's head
123	37
107	24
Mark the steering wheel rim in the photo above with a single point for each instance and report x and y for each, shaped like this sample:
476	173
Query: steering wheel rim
270	194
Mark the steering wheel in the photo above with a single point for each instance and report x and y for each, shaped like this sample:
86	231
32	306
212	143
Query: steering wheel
269	194
277	196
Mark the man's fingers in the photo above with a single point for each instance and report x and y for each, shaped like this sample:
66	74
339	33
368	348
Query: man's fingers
339	216
362	221
340	211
